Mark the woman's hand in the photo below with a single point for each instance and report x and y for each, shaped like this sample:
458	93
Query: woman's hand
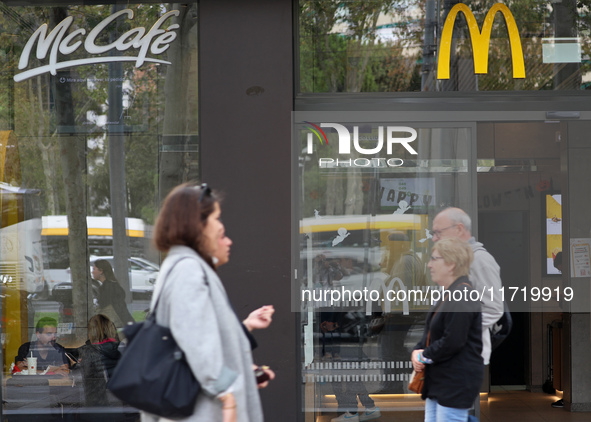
417	366
259	318
271	375
228	408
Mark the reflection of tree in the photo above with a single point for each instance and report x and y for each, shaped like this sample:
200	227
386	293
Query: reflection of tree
59	124
141	153
335	194
362	20
321	52
340	49
399	71
354	200
34	122
25	107
65	156
566	75
341	190
145	89
584	28
180	111
73	168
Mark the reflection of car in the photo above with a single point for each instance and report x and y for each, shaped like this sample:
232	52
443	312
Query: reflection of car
352	254
142	275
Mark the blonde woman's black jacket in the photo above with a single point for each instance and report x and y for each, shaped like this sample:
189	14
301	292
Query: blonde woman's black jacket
455	345
98	362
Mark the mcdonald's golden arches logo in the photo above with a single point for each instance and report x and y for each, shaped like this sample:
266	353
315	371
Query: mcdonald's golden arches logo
480	40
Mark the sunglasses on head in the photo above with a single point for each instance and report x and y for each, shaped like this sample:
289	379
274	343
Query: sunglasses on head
205	191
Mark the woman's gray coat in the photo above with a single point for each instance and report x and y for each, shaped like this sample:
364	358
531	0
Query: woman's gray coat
194	304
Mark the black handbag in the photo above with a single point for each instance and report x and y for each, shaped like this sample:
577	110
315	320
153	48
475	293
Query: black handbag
153	374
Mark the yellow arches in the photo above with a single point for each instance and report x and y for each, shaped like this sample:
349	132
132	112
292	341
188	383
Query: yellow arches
480	40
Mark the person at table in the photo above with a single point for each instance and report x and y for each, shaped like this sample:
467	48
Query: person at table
49	354
98	358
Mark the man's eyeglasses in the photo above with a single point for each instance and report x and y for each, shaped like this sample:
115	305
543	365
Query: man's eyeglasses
205	191
438	232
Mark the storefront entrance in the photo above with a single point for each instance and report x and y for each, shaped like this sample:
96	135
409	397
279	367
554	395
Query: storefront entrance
368	226
506	236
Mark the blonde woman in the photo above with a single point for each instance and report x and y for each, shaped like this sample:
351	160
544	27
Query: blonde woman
98	358
450	350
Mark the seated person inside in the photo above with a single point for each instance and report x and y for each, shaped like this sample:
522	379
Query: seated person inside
49	354
98	358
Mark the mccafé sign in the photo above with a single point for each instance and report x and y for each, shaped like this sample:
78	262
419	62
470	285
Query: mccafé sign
156	41
480	40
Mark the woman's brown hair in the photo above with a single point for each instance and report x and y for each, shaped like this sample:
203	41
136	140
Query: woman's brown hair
183	217
101	328
105	267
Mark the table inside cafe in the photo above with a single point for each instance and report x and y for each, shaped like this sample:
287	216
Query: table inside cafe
41	395
42	391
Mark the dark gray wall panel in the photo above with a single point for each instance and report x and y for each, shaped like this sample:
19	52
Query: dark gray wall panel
245	103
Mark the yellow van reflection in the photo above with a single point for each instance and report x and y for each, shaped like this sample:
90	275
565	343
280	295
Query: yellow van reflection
345	257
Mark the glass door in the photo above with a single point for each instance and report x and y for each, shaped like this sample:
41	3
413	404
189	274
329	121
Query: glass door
366	190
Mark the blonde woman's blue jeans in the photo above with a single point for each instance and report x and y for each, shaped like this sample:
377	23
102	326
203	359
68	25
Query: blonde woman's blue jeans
434	412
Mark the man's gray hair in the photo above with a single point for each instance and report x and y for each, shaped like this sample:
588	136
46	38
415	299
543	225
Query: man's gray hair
459	216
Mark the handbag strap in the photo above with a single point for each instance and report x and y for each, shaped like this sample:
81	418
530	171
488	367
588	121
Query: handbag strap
153	313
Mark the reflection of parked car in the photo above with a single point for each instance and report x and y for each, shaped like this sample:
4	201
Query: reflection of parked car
143	274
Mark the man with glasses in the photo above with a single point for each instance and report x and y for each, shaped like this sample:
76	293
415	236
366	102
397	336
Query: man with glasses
484	271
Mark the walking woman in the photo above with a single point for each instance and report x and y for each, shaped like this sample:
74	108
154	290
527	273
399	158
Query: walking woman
449	351
111	296
192	302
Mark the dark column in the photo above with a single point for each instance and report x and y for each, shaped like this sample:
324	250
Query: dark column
246	96
576	202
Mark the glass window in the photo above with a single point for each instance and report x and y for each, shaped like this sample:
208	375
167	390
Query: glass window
98	121
364	243
406	46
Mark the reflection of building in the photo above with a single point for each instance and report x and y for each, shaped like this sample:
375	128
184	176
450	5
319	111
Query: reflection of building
487	143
